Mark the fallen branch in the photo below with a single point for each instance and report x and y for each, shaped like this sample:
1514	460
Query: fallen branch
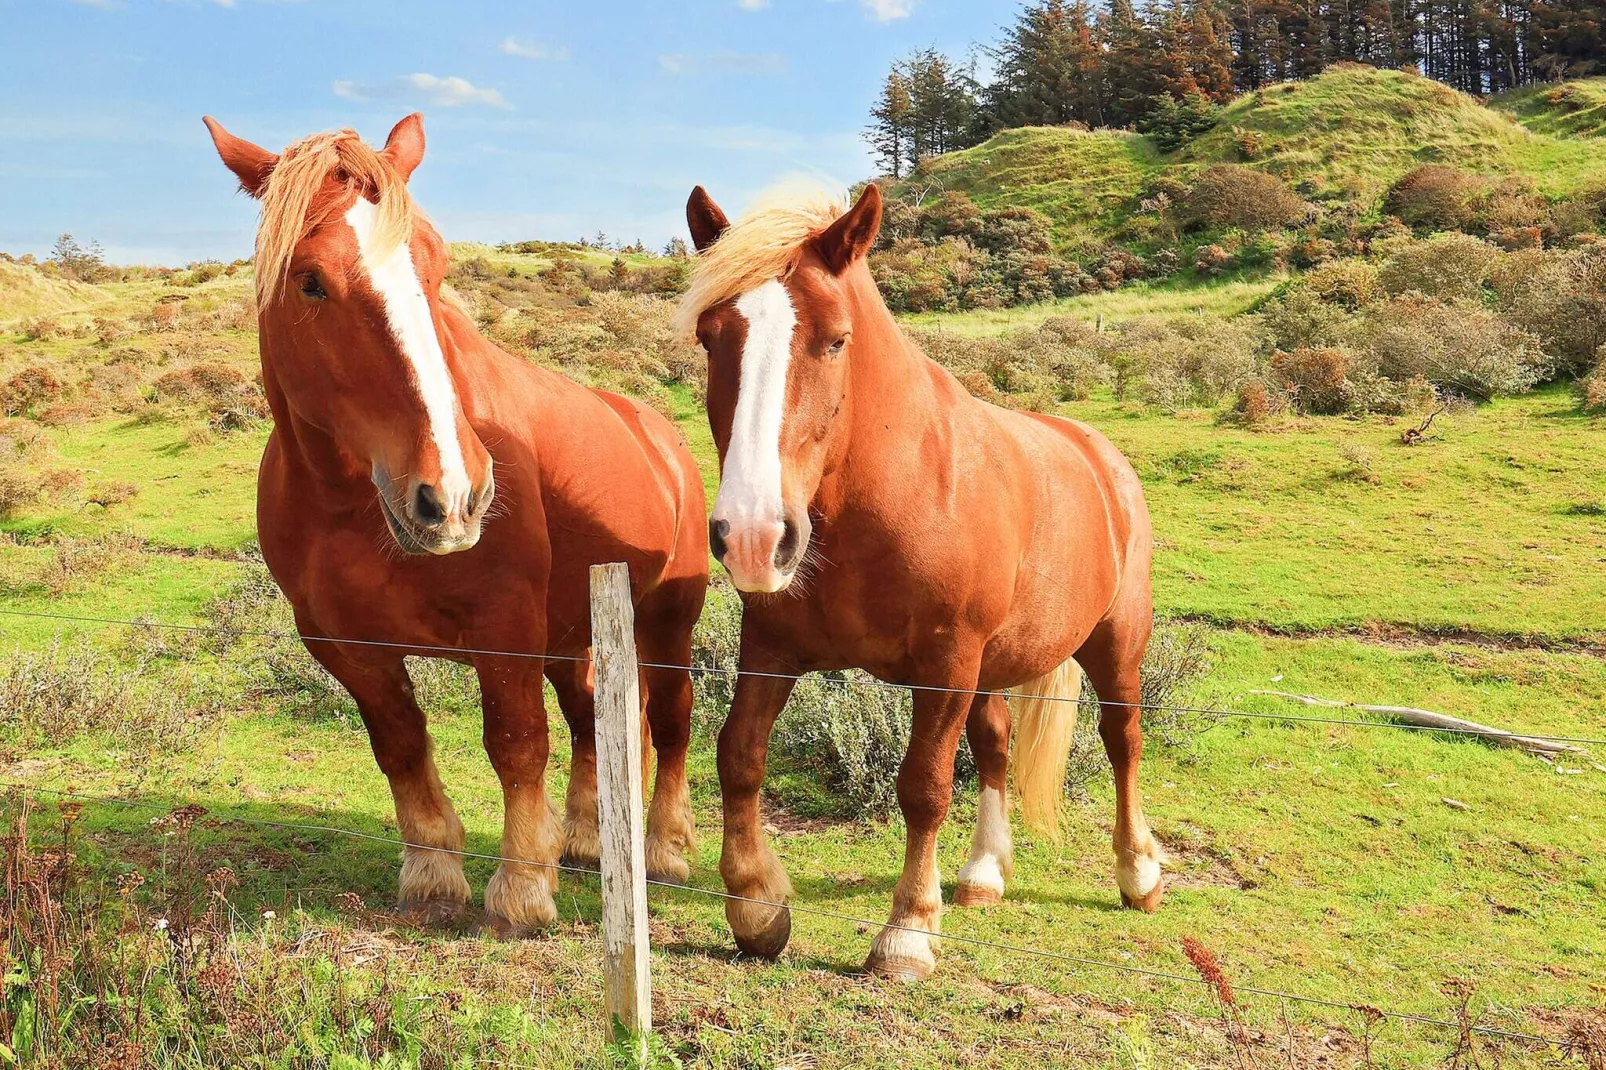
1428	719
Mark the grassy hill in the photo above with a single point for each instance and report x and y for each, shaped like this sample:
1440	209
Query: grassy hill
1347	135
1575	109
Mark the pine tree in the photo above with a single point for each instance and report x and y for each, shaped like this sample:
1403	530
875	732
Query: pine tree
1049	68
891	133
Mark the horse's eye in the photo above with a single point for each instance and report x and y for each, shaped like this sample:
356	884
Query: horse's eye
836	347
311	287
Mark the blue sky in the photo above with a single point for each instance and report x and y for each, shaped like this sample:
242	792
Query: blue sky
544	120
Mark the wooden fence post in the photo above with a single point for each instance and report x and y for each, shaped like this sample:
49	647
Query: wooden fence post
627	984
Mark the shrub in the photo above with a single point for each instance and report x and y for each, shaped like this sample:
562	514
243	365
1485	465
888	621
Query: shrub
1228	195
1469	351
1211	259
29	388
1593	385
1437	197
1560	297
1314	379
1254	402
165	315
1299	318
1349	283
1447	266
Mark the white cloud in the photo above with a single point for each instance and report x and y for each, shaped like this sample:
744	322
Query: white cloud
740	63
889	10
752	5
512	46
450	92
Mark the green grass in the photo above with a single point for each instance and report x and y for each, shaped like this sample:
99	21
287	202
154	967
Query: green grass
1177	296
1572	109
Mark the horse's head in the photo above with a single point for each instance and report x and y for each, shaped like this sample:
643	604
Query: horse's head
773	308
349	309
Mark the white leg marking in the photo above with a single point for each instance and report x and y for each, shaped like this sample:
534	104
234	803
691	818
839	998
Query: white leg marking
991	852
750	488
395	279
1137	870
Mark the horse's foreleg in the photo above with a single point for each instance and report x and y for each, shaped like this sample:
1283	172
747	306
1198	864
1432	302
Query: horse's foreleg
1113	660
518	897
748	866
992	853
572	681
670	830
905	948
432	879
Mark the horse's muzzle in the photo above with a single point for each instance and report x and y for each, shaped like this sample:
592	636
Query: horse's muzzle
424	521
762	557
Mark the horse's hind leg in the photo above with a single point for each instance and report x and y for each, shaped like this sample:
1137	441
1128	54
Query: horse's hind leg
518	897
432	881
992	854
1112	657
670	832
573	683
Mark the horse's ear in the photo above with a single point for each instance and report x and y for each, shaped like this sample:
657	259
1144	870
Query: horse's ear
851	236
251	164
404	148
705	219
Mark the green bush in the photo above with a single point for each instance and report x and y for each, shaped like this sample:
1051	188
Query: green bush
1451	266
1228	195
1464	350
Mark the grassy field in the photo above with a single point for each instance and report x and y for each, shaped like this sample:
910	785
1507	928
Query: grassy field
1357	864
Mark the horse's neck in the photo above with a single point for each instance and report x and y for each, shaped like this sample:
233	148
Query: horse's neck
891	393
317	460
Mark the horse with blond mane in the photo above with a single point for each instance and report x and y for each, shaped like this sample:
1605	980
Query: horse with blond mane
375	515
875	515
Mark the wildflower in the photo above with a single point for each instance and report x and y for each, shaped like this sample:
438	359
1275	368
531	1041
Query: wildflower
160	925
268	915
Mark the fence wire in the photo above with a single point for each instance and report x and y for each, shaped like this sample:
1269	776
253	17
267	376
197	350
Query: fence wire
819	912
426	649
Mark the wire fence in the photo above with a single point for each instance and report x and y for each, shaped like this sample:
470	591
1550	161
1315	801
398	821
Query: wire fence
1148	973
1061	958
427	649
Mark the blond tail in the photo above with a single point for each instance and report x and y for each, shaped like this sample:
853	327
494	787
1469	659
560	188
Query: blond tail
1044	711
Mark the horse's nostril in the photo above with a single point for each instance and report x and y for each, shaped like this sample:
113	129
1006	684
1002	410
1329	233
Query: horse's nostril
428	509
786	551
717	530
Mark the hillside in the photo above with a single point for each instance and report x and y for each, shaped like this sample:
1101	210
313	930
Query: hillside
1572	109
1346	135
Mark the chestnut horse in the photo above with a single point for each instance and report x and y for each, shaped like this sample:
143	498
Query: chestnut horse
375	514
875	515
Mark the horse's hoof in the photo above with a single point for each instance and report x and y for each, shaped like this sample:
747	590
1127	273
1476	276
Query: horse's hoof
496	927
432	913
976	895
769	939
1147	903
899	967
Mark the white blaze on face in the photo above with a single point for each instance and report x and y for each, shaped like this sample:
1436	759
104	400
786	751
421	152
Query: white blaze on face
394	278
750	489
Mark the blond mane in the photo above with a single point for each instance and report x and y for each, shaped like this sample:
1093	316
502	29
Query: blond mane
292	208
761	246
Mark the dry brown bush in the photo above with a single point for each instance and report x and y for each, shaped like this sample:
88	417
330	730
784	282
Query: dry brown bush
1437	197
164	317
1228	195
29	388
1315	380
